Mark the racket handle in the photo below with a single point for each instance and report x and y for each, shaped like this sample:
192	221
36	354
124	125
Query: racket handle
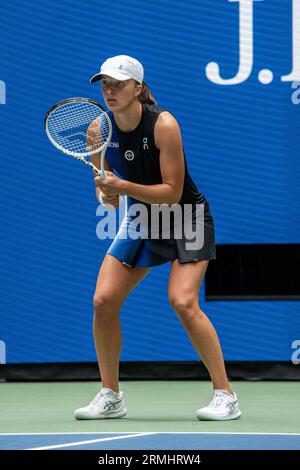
102	174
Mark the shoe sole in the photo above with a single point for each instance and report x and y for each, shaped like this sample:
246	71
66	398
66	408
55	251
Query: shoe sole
107	416
227	418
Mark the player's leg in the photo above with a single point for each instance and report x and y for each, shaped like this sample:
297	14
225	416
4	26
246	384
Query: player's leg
184	285
115	281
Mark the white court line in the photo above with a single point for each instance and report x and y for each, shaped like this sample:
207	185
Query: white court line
93	441
141	433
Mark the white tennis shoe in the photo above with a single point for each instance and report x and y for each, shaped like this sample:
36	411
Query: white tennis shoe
224	406
106	404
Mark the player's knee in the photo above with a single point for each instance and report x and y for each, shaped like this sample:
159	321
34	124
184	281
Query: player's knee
181	303
183	306
102	303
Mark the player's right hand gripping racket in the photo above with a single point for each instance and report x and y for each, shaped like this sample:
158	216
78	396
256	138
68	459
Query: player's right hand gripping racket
79	127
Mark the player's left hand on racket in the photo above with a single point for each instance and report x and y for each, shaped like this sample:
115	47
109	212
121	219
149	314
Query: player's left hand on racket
80	127
110	202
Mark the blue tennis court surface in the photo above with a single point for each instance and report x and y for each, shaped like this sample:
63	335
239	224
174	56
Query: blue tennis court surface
145	441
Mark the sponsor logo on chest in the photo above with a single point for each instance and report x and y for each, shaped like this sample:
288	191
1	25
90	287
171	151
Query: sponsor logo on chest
129	154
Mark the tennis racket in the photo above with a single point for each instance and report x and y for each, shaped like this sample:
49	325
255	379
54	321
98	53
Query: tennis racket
80	127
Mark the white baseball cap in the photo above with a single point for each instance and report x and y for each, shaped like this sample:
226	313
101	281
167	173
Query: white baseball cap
121	67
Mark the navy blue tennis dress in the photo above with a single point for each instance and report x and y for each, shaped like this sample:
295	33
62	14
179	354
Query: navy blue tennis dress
134	157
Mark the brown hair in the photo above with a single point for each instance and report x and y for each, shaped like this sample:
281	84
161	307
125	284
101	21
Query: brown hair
146	95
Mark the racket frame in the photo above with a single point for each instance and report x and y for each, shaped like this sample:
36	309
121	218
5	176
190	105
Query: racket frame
81	156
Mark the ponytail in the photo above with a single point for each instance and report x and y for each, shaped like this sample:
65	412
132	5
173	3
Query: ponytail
146	96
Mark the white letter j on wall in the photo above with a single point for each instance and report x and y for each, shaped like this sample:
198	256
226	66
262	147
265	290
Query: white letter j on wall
245	48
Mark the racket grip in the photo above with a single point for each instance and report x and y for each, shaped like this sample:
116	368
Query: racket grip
102	174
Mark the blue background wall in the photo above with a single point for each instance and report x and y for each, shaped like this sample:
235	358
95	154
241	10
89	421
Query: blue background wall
242	146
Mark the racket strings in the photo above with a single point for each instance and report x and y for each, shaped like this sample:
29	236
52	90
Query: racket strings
68	125
72	115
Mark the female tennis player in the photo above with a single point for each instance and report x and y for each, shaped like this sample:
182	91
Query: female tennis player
145	161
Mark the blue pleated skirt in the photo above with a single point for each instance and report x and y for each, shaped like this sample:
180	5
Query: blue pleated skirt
149	252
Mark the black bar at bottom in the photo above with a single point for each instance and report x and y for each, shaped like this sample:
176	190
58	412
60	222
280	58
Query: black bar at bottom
136	458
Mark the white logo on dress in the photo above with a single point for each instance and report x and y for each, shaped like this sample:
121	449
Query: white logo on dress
145	143
129	155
